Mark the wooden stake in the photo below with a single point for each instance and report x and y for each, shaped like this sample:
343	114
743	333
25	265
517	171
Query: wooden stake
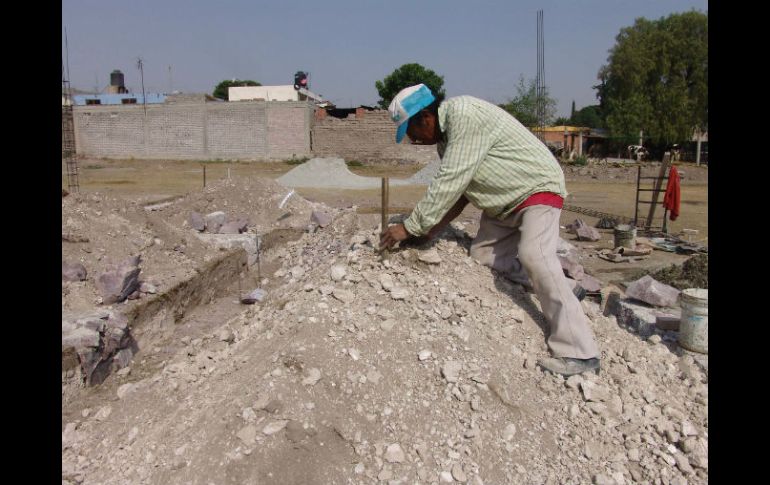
658	186
384	207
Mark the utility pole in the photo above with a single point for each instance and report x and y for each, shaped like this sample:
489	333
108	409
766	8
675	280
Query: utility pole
540	79
140	65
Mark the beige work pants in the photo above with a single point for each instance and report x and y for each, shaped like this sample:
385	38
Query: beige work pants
523	246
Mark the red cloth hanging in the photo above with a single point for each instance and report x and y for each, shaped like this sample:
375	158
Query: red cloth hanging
673	194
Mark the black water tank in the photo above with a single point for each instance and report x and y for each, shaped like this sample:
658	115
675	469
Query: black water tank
116	78
300	80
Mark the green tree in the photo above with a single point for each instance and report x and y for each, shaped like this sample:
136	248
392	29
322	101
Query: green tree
561	120
523	106
405	76
590	116
221	91
656	79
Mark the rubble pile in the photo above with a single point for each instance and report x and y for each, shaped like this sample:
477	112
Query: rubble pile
418	367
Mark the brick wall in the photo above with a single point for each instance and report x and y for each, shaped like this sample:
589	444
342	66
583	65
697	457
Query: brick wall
367	136
248	130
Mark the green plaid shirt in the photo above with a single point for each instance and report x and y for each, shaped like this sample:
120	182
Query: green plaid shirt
490	157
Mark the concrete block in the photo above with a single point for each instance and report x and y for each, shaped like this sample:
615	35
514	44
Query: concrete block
73	272
197	222
638	316
80	338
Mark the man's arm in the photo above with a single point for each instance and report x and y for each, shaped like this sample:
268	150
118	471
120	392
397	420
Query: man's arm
397	232
455	211
467	145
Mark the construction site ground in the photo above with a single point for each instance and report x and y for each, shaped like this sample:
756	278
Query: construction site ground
415	369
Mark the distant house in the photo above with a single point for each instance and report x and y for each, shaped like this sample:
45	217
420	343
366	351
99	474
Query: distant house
580	139
119	98
66	101
271	93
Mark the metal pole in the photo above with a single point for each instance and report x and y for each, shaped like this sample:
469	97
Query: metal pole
636	207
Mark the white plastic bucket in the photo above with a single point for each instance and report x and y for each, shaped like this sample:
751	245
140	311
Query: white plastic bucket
694	326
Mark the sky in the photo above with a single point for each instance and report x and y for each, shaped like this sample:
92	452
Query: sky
480	47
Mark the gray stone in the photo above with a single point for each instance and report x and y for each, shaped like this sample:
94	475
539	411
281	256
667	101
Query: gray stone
125	390
424	355
574	381
297	272
653	292
132	434
430	256
338	272
226	335
197	221
275	427
590	283
394	453
313	376
247	434
683	463
233	227
634	454
583	231
636	315
509	432
594	392
103	413
321	218
344	296
79	338
445	477
257	295
458	473
386	281
73	272
587	233
119	281
214	221
571	267
148	288
603	479
451	370
385	474
688	429
399	293
462	333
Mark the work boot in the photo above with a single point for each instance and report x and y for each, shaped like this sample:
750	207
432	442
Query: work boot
567	366
579	292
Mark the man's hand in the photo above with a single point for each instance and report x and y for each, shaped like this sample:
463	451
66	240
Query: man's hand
392	235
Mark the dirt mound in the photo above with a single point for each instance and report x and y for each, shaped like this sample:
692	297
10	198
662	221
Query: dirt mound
330	173
418	368
258	200
693	273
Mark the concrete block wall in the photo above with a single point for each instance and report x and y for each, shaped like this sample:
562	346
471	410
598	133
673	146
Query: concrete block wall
237	131
366	136
247	130
288	130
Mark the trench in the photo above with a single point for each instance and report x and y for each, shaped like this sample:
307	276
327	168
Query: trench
191	308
